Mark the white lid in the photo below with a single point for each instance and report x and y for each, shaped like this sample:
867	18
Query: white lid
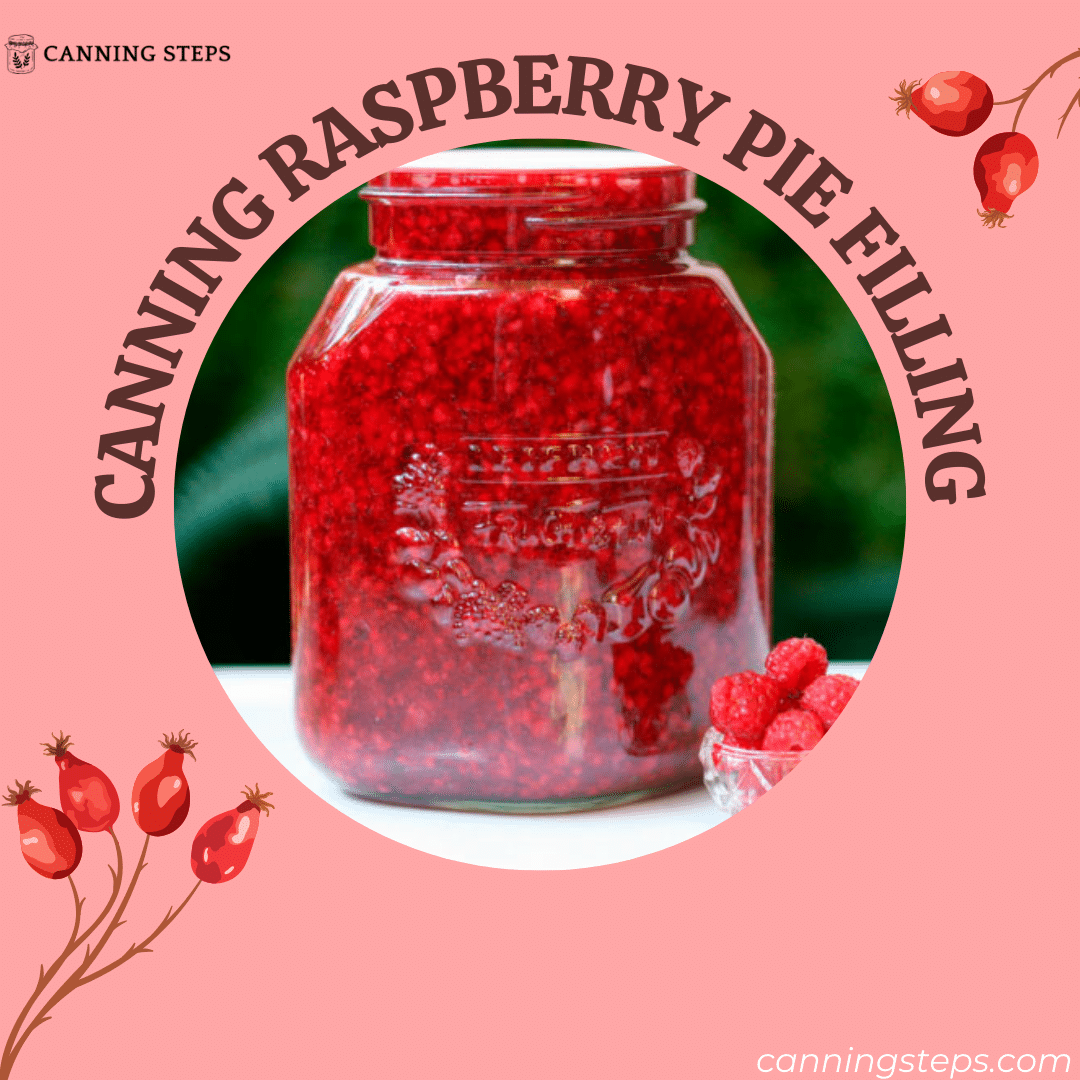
538	158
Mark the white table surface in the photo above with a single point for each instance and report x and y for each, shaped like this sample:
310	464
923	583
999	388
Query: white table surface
263	697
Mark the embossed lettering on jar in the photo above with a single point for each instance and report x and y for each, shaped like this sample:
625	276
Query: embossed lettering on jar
530	452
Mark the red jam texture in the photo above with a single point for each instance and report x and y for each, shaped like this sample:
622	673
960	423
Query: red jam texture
530	448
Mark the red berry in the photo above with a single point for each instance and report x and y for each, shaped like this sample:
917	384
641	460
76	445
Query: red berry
743	705
222	846
87	795
795	729
952	102
1005	167
161	798
828	695
50	843
796	663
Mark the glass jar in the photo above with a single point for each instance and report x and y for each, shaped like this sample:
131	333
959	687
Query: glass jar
530	483
736	776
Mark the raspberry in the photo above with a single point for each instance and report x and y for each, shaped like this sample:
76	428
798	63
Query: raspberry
795	729
828	695
743	705
796	663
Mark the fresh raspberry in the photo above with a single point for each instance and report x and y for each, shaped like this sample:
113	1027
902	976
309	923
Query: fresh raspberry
796	663
828	695
795	729
743	705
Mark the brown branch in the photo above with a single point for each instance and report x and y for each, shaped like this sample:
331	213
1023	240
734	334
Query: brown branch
118	877
141	947
44	978
116	920
79	976
1075	101
75	979
1026	93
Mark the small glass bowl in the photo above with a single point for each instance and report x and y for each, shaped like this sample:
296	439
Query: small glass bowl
735	777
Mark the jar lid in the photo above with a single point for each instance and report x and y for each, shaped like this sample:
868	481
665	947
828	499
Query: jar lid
534	159
479	204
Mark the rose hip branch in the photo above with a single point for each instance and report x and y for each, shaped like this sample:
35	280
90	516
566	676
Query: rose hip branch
482	87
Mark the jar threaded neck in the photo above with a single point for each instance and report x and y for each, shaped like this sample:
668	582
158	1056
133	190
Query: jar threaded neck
478	214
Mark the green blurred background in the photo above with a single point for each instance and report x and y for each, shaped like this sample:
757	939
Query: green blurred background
839	471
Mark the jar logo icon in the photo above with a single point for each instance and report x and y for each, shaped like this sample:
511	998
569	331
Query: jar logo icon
20	53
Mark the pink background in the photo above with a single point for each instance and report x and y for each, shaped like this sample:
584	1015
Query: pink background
911	887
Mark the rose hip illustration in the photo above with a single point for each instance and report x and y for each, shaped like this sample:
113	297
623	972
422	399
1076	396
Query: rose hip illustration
87	795
50	842
1005	167
952	102
222	846
161	798
956	103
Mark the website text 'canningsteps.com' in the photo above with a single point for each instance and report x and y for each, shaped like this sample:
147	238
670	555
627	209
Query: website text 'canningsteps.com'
885	1065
